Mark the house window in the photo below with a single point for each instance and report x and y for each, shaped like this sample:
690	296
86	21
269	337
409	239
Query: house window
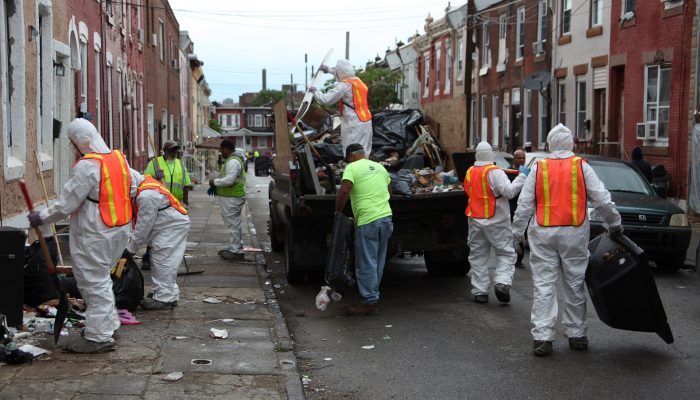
228	120
543	125
494	119
438	69
668	4
258	121
565	17
262	142
502	26
161	33
448	66
657	100
505	115
596	12
83	77
143	138
528	115
45	88
98	94
472	120
561	101
460	58
520	34
110	128
426	74
581	108
629	6
542	21
236	121
12	68
251	120
484	118
485	50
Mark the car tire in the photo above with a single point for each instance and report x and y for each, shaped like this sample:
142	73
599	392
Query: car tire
275	243
671	262
291	270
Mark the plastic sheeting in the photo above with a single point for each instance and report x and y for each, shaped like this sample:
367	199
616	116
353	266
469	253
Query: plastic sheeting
394	131
694	185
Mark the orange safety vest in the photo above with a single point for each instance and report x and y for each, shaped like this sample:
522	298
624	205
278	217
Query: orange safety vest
560	192
482	201
151	184
359	99
115	187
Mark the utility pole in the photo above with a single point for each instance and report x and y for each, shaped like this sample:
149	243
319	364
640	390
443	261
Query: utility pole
347	45
306	72
291	89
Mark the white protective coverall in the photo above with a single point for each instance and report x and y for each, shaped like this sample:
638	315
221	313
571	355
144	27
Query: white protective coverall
561	249
94	247
352	130
165	230
495	232
231	207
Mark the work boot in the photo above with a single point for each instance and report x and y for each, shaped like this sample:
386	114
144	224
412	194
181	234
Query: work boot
502	292
364	309
231	256
221	252
542	348
481	298
153	304
578	343
78	344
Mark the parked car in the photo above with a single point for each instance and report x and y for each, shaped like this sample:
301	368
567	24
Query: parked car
658	226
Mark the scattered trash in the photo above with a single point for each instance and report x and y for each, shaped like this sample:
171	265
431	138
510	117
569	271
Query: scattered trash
15	356
180	337
388	326
305	380
212	300
370	347
252	250
386	337
267	282
322	298
680	287
218	333
327	359
173	376
127	318
221	319
277	285
33	350
268	250
47	310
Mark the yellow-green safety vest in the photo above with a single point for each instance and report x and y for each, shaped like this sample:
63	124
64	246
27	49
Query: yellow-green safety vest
176	182
238	187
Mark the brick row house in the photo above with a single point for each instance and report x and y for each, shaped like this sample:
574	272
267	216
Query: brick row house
248	127
115	63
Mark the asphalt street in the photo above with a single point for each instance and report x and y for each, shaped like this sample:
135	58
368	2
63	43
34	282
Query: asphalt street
431	341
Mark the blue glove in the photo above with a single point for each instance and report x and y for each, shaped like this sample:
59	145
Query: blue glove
211	191
524	170
159	175
34	219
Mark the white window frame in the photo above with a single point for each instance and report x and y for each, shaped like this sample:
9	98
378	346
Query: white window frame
161	33
171	127
262	142
527	115
669	4
120	107
460	58
502	27
542	122
426	73
473	119
628	6
229	120
438	69
485	45
566	17
448	66
597	12
505	116
83	75
98	87
164	121
135	120
561	101
142	130
236	121
495	134
250	120
542	22
258	121
151	128
45	88
13	110
520	34
656	105
110	111
484	118
581	107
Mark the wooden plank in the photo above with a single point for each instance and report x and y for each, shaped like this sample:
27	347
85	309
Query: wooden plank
283	146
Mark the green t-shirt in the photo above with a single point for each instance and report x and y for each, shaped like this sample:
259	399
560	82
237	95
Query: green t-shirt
370	194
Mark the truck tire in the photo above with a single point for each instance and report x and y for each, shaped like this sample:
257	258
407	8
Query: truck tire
294	275
275	243
438	264
671	262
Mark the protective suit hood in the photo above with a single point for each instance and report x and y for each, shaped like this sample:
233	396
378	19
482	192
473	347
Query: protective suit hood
85	137
560	139
484	153
344	70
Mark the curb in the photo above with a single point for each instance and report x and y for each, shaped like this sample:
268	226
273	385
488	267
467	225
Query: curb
287	359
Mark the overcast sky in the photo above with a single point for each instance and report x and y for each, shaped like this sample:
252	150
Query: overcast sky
237	39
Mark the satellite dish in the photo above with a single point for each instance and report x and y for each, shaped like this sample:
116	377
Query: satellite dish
538	81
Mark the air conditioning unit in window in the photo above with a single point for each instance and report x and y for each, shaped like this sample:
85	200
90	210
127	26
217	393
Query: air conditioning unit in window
140	35
646	131
538	48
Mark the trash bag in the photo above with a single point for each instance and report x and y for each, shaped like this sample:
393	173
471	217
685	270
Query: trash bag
394	131
401	182
329	152
622	288
38	286
339	264
127	283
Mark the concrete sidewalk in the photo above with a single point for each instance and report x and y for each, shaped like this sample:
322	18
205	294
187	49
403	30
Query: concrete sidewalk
254	362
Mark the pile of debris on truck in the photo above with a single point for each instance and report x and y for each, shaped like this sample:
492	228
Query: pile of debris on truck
401	141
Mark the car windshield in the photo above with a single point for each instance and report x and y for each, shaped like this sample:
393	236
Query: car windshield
503	162
620	177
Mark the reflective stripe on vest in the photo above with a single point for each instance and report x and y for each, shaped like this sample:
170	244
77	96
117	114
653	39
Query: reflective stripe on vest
482	202
151	184
175	182
238	187
560	192
359	99
115	187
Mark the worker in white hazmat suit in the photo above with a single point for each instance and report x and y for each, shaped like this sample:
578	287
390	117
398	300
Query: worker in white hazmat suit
161	223
351	93
488	213
100	225
557	192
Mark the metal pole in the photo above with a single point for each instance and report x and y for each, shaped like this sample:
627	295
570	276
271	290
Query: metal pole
291	90
306	72
347	45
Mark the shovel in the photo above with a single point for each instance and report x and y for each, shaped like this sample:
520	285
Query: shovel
62	309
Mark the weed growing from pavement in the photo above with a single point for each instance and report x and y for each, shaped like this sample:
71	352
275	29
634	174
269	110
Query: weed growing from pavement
281	348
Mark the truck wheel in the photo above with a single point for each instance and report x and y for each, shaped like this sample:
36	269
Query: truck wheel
294	276
438	265
275	243
671	262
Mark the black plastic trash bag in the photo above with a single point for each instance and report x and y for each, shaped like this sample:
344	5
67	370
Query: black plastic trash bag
622	288
127	283
339	265
330	152
401	182
394	131
38	286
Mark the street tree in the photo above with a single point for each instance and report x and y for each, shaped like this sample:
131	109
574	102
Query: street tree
381	84
268	97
